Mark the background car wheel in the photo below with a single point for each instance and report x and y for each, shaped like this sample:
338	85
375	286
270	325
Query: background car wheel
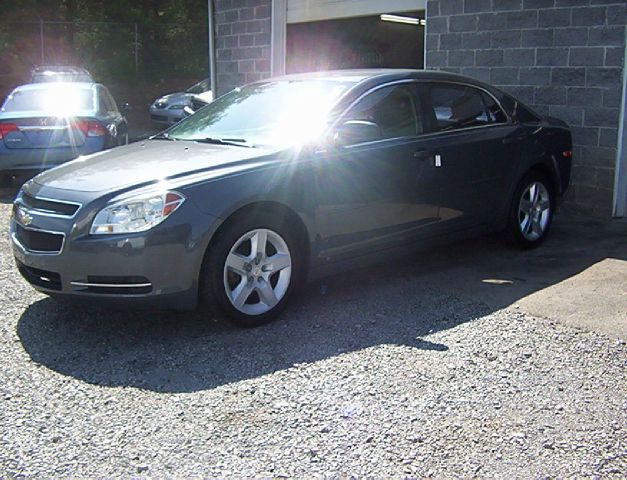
531	212
251	269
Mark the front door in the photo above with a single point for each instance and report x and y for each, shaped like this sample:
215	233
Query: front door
376	193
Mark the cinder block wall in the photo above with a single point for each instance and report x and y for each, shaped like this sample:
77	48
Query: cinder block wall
562	57
242	42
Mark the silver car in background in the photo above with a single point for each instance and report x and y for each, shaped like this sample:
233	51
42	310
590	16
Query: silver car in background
172	108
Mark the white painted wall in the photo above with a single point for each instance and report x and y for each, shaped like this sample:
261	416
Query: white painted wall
313	10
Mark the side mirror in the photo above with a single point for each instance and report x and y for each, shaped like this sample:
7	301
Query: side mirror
357	131
187	109
126	107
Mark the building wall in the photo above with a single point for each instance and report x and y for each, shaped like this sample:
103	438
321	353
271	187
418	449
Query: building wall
562	57
242	42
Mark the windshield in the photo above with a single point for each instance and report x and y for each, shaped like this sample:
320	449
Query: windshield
61	77
199	87
55	100
274	113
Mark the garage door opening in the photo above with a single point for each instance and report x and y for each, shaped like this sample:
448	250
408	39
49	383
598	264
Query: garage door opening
393	41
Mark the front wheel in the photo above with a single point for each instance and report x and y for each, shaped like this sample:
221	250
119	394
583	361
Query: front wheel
251	269
531	212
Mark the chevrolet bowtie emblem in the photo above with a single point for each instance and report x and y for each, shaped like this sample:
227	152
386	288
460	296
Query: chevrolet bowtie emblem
24	217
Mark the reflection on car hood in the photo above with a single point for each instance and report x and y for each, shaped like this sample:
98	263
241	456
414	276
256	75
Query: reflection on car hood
175	98
151	161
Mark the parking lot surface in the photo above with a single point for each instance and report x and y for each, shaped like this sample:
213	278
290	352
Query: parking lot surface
469	361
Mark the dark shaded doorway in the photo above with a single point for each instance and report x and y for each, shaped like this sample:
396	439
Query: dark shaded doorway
363	42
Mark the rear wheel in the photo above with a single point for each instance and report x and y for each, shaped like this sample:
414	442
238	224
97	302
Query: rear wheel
531	212
251	269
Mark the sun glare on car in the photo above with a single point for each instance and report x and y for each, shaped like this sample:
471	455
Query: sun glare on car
63	100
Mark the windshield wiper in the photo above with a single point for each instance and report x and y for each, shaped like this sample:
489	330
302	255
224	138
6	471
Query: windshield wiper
238	142
163	136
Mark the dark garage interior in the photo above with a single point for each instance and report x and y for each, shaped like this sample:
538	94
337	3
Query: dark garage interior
362	42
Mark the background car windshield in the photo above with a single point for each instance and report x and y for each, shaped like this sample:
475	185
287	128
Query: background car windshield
199	87
279	114
60	77
57	100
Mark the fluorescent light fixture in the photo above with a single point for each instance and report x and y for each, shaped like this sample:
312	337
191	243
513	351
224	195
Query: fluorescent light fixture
386	17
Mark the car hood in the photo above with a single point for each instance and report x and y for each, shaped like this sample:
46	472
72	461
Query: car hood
141	164
175	98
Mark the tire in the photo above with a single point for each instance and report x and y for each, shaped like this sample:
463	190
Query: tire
531	212
251	285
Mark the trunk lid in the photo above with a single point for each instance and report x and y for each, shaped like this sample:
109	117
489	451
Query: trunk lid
43	132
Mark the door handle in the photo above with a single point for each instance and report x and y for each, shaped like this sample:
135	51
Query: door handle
428	155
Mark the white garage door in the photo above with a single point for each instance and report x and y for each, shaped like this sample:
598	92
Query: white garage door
313	10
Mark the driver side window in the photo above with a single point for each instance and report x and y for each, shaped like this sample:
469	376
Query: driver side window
392	109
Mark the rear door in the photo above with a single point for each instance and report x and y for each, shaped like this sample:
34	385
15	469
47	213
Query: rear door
468	134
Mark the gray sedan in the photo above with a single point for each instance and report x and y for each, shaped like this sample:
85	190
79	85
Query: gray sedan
287	179
172	108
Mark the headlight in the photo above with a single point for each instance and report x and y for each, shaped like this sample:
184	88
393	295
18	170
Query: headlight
136	214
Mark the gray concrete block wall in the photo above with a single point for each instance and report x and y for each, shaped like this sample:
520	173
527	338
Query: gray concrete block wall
243	30
562	57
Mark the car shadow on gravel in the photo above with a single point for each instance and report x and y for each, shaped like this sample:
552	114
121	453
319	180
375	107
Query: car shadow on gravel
185	352
399	304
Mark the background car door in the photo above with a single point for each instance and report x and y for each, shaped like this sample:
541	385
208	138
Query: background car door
112	118
378	193
468	132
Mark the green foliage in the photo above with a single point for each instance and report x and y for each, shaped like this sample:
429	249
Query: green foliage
171	37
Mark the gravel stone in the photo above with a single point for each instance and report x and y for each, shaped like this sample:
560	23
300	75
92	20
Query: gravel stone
390	376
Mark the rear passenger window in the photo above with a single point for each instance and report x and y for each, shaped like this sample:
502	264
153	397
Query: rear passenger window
102	104
458	106
111	106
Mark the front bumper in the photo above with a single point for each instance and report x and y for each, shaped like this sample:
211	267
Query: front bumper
164	116
158	268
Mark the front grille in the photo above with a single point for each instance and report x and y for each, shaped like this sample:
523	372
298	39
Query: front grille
39	241
158	118
49	206
40	278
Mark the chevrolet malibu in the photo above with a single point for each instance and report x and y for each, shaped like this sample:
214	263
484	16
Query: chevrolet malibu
288	179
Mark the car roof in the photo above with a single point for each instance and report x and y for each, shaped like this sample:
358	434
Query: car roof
358	75
59	69
365	79
50	85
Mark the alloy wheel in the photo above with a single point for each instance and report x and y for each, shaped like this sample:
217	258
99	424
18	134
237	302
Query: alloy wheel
257	271
534	210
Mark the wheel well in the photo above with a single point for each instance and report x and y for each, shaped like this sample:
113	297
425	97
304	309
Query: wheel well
289	217
548	173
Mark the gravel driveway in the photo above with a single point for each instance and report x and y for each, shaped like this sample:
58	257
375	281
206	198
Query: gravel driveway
381	373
